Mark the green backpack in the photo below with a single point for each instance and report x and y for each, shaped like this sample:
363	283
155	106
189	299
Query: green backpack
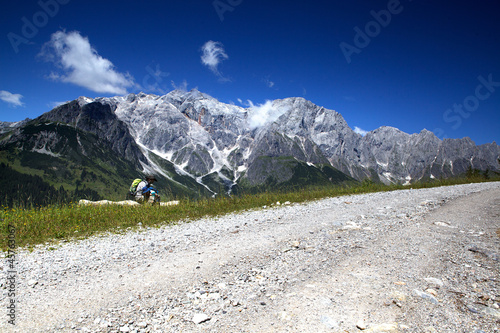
133	187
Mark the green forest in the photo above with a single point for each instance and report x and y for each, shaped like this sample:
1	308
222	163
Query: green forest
28	191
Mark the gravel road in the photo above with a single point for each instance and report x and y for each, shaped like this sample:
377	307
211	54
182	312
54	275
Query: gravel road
405	261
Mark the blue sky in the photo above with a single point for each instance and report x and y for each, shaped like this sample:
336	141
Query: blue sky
410	64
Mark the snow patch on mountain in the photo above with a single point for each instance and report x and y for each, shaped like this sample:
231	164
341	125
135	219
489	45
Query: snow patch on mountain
84	100
45	151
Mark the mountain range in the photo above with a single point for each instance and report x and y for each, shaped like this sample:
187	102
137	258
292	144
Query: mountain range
198	146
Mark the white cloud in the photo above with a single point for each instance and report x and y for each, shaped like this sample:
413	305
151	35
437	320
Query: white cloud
263	113
213	55
13	99
82	65
360	131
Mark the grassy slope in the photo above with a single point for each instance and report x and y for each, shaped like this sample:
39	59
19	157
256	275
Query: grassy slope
285	173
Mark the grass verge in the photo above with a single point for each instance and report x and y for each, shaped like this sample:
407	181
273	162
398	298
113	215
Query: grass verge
52	224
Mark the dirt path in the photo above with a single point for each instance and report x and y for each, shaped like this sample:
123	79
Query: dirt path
404	261
377	281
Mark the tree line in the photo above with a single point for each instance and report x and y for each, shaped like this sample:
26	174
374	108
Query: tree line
25	191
